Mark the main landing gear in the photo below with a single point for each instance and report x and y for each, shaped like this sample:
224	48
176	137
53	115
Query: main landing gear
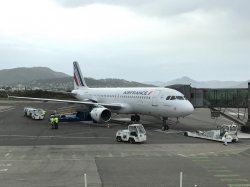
164	124
135	118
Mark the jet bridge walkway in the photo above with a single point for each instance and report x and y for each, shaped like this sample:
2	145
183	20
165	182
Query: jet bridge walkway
219	99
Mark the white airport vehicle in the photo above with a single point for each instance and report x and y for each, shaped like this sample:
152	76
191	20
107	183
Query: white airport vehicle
134	134
217	135
154	101
34	113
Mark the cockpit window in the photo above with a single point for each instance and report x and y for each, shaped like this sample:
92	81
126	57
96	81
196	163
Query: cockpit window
173	98
180	97
168	97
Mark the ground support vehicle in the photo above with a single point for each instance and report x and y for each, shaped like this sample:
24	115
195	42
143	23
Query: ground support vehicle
217	135
34	113
75	116
134	134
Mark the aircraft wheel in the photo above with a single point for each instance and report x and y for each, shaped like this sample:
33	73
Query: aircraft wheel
165	127
137	118
131	140
133	118
164	124
118	138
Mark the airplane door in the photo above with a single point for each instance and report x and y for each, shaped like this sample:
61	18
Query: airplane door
155	98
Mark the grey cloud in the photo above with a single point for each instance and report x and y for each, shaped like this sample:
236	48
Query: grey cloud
79	3
167	7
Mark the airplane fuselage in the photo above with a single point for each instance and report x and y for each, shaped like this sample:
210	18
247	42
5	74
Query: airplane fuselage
162	102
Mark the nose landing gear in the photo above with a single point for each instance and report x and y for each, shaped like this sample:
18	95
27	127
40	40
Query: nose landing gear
164	124
135	118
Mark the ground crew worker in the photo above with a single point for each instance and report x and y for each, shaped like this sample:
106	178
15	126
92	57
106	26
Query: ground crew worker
51	120
56	120
225	137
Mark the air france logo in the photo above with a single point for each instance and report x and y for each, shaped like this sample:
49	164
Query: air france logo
137	92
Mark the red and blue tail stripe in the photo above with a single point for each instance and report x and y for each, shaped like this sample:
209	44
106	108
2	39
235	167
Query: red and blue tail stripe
78	78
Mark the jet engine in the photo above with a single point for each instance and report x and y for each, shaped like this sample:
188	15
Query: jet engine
100	115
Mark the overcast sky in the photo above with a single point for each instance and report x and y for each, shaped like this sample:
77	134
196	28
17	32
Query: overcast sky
140	40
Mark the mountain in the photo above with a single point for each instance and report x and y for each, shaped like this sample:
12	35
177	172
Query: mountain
20	75
66	83
45	78
114	83
203	84
242	85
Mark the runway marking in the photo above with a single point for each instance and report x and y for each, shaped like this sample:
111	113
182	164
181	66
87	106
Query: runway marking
232	151
123	154
53	159
157	155
48	137
6	110
5	165
169	131
110	155
229	175
181	155
202	160
3	170
201	154
220	171
214	167
85	132
233	180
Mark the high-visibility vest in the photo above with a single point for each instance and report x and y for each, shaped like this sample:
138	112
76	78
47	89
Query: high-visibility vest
51	120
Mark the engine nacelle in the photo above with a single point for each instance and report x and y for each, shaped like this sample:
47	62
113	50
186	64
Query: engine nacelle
100	115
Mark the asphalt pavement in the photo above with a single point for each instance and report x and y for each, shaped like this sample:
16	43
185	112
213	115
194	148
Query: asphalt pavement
32	154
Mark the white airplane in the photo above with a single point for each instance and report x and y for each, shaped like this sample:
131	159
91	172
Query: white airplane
152	101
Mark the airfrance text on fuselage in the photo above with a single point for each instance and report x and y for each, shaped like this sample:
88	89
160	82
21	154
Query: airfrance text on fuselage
137	92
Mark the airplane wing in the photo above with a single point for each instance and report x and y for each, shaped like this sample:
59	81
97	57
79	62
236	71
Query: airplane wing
112	106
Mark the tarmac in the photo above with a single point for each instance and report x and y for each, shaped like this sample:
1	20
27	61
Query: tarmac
32	154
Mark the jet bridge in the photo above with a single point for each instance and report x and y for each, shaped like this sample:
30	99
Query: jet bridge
220	99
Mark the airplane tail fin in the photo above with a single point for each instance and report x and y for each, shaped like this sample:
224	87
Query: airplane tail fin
79	82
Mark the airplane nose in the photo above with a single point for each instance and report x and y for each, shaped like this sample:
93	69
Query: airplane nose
188	109
191	108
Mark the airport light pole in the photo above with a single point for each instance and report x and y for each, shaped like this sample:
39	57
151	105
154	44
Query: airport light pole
85	180
181	179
